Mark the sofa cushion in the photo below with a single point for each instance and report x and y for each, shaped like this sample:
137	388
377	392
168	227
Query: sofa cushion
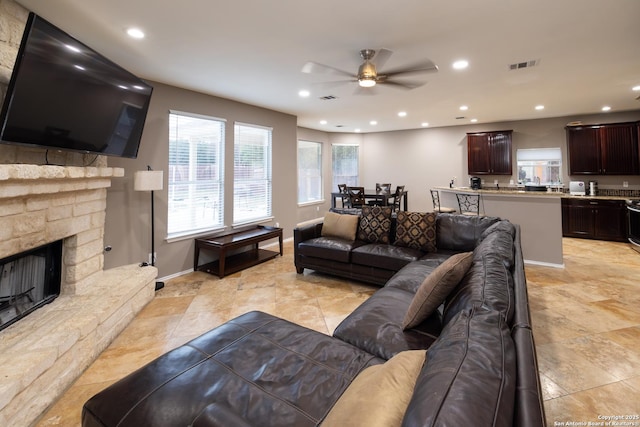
416	230
375	224
436	287
259	368
380	394
470	375
342	226
489	281
382	255
330	248
410	277
460	233
376	325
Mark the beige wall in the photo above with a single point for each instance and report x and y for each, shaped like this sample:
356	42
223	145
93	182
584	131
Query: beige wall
128	229
425	158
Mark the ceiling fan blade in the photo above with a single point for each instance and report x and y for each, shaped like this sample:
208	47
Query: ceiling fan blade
381	57
314	67
408	85
422	67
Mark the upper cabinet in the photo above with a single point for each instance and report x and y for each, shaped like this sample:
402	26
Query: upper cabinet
489	153
610	149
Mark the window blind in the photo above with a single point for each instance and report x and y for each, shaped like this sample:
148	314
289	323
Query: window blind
344	165
196	174
309	171
252	185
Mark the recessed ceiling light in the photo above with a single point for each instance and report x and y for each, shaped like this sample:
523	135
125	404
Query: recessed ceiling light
323	122
473	120
402	114
636	88
606	108
304	93
539	107
425	124
356	130
464	108
136	33
373	122
460	65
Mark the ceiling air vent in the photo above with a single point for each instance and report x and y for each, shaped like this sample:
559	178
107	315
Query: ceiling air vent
328	97
526	64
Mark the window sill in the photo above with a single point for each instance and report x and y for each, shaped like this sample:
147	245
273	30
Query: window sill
194	235
315	202
254	222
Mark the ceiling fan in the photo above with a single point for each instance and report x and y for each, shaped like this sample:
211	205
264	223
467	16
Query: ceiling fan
368	75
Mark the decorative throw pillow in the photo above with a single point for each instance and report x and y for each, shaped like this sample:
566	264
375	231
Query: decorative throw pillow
375	224
436	287
380	394
416	230
343	226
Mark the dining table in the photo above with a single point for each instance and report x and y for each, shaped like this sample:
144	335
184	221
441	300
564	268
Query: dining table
375	195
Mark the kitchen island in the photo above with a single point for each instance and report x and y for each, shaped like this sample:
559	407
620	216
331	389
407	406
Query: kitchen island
539	215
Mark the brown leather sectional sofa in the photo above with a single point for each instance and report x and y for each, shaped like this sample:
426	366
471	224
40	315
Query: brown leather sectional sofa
259	370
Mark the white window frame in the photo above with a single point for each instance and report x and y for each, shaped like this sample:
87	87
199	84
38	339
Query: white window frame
544	164
252	187
354	180
310	179
195	205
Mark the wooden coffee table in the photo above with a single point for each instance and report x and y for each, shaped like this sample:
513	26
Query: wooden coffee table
233	242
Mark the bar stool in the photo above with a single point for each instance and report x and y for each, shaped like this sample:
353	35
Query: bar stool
469	204
435	198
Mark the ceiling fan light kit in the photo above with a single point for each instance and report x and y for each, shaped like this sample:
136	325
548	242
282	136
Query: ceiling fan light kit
368	76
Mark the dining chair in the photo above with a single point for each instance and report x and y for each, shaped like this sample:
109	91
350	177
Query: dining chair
435	198
397	197
356	196
469	204
344	195
380	188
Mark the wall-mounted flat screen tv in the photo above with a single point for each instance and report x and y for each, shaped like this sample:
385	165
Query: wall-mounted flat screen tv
64	95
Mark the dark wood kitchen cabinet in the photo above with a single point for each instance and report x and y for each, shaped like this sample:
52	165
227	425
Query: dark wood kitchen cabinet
594	219
489	153
610	149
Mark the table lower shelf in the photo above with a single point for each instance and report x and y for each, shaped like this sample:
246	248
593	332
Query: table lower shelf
238	262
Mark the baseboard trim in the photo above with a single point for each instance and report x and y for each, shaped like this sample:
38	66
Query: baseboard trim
544	264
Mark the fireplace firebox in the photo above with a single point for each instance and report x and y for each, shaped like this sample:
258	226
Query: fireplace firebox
28	281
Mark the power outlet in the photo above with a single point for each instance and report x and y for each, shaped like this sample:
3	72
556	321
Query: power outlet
149	260
277	224
625	184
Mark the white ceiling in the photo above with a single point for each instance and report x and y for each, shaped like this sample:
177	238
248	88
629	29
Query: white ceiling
253	51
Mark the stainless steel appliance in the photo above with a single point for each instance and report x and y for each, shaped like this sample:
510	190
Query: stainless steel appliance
633	206
577	188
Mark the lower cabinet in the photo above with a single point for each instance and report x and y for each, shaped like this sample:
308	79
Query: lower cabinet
594	219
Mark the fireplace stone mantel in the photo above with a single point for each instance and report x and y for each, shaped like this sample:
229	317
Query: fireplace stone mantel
43	353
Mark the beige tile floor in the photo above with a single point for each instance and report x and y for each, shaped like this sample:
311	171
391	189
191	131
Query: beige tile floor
586	321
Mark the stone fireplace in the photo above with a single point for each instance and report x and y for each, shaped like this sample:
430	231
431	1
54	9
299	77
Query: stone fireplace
43	353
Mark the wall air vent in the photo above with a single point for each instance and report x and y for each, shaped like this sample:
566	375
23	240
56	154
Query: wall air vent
526	64
460	118
328	97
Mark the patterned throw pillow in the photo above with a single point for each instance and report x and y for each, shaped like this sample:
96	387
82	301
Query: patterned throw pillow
416	230
375	224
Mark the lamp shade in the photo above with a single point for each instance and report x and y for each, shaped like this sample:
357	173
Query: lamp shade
147	180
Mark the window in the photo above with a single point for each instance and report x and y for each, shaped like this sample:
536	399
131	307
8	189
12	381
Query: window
251	173
196	175
309	171
344	161
539	166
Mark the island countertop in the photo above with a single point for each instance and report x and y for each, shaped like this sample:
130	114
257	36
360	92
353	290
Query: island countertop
516	191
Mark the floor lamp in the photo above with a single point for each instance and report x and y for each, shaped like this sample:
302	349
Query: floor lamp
150	180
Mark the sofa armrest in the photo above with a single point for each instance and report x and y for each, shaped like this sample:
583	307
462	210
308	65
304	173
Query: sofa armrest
300	234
